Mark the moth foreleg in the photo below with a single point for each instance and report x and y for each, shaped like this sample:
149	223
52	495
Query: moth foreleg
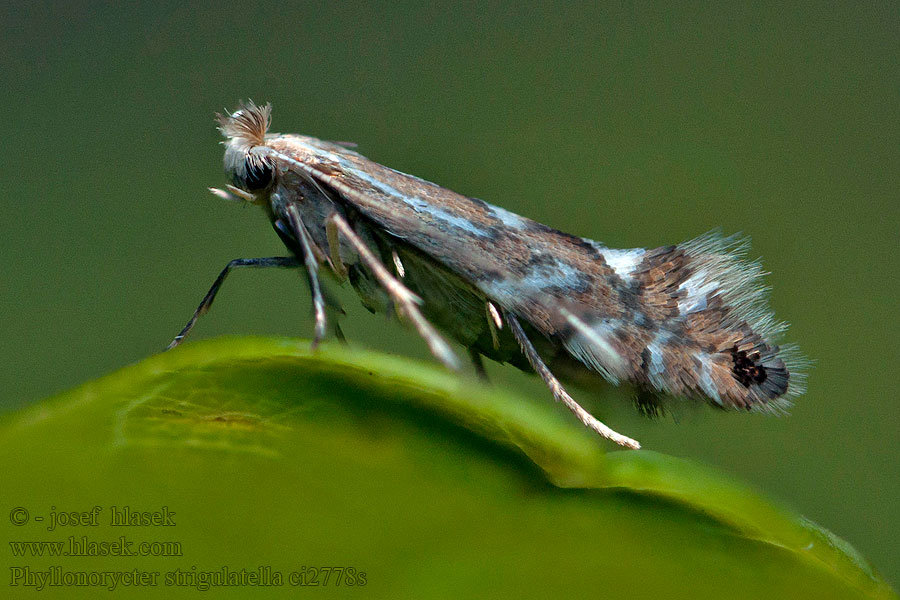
274	261
312	271
559	392
405	301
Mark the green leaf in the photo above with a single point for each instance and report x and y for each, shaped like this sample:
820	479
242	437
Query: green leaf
278	460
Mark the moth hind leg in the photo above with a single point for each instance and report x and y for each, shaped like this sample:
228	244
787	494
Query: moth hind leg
559	391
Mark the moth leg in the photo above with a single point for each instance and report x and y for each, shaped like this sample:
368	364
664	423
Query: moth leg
275	261
478	363
312	270
559	392
334	249
406	302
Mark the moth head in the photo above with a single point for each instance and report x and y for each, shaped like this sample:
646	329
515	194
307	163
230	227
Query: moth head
248	167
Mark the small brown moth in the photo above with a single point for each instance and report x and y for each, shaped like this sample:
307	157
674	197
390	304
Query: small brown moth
689	320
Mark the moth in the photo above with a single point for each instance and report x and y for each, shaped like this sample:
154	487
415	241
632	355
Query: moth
688	320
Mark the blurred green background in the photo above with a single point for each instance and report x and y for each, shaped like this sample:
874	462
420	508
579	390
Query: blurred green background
635	125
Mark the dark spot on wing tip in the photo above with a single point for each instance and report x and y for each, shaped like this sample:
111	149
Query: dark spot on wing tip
746	367
769	380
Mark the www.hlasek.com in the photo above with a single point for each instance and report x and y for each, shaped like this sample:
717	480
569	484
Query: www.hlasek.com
83	546
263	576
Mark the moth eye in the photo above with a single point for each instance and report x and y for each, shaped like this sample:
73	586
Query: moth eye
257	174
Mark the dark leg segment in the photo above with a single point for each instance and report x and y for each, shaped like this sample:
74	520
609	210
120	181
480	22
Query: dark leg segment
287	262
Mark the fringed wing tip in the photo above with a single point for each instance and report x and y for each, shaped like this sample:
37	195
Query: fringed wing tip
700	327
